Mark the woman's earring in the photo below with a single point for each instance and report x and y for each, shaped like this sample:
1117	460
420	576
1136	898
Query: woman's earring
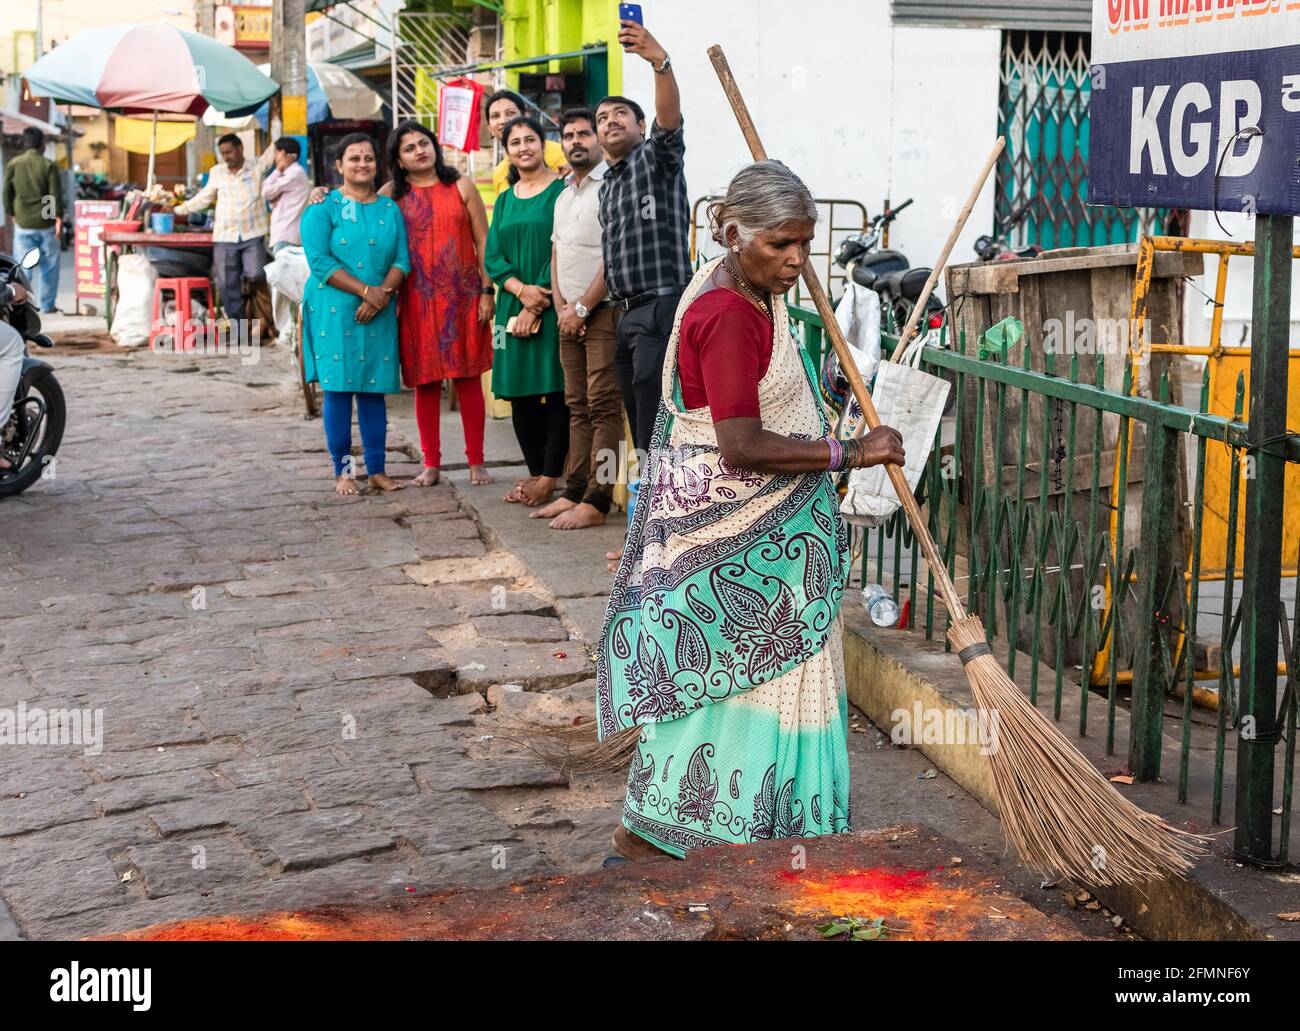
736	248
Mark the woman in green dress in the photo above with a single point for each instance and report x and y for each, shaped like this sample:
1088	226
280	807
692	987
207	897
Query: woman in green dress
355	241
526	368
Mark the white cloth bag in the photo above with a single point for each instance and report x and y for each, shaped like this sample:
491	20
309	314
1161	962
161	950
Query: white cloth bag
912	402
287	278
858	314
133	313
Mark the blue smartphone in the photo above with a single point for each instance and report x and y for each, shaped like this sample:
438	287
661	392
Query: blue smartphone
630	12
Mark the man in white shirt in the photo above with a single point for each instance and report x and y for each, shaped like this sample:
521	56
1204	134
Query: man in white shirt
587	334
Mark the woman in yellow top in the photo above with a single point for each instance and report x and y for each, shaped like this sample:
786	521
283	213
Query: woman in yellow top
502	107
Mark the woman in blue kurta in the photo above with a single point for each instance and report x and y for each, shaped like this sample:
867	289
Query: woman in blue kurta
356	247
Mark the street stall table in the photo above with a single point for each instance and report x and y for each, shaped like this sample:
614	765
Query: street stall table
139	238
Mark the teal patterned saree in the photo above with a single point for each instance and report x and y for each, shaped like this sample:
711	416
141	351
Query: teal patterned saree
722	634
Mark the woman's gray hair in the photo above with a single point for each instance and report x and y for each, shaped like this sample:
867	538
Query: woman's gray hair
762	196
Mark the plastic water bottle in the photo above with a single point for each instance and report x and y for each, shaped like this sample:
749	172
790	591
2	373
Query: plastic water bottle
880	605
633	489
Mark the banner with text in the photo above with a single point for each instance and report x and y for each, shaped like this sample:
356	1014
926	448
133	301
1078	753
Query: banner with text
458	117
1196	104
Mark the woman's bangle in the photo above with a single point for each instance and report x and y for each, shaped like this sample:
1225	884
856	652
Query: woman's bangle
836	453
852	452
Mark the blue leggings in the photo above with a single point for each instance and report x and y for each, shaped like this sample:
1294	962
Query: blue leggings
371	417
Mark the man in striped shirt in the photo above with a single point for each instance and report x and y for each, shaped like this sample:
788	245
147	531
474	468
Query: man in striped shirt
241	222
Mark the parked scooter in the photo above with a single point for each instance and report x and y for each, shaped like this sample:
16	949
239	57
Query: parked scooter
887	272
31	436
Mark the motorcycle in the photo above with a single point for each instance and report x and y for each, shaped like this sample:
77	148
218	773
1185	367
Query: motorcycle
31	436
996	246
887	272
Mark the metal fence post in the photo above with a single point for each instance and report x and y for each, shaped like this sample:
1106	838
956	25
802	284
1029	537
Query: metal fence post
1155	574
1262	577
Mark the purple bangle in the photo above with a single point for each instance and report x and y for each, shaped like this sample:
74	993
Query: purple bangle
837	453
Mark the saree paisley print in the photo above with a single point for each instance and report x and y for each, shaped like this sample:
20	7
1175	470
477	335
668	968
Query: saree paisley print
722	635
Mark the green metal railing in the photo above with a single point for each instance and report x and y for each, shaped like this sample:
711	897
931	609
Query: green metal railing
1015	499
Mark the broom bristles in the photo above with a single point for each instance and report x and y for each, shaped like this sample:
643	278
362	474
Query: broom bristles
1059	813
573	747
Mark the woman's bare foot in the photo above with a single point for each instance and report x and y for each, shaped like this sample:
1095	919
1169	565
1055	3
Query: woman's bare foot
384	482
614	558
553	509
579	517
345	485
428	478
479	476
538	492
517	495
635	847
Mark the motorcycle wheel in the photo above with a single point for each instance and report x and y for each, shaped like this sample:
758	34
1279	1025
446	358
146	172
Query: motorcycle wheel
50	435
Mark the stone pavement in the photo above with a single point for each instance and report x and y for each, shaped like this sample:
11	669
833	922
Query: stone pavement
287	678
305	698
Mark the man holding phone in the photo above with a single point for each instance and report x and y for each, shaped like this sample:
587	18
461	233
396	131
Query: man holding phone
645	214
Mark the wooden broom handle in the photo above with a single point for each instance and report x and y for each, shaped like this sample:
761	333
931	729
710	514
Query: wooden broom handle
937	568
939	265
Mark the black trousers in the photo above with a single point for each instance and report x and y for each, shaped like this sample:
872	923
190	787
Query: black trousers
541	424
639	363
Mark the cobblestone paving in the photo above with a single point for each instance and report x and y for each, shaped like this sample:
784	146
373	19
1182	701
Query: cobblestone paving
301	694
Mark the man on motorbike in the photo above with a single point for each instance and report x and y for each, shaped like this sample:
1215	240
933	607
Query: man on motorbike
12	350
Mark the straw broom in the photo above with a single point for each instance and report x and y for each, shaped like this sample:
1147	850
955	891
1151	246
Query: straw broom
1059	813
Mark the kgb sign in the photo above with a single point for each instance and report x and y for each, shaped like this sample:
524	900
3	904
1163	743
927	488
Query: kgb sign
1196	104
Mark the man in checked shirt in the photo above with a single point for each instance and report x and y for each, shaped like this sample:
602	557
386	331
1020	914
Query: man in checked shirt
646	221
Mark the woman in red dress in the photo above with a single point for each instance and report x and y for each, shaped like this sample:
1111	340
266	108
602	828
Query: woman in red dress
446	309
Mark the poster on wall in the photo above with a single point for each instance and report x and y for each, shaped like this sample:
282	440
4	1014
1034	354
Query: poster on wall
88	250
1196	104
458	117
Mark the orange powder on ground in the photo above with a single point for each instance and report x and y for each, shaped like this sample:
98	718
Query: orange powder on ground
902	897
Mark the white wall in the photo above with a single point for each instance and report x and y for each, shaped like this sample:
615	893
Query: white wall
859	109
1238	300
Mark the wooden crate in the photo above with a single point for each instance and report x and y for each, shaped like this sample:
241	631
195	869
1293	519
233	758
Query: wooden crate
1093	283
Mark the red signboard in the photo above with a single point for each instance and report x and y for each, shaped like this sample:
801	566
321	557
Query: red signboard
91	215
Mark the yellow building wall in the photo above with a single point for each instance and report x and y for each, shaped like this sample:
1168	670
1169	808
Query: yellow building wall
91	149
532	27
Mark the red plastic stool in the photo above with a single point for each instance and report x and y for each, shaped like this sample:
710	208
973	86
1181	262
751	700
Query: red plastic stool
179	327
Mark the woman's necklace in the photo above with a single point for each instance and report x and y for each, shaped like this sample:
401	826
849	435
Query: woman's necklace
753	294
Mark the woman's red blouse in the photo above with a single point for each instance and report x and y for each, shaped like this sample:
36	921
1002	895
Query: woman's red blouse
724	350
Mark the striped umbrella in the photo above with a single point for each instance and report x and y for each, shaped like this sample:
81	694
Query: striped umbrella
136	68
332	92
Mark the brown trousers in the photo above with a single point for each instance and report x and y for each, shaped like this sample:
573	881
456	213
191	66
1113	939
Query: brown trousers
595	411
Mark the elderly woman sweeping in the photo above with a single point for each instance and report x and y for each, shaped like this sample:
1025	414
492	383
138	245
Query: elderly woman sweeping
721	646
